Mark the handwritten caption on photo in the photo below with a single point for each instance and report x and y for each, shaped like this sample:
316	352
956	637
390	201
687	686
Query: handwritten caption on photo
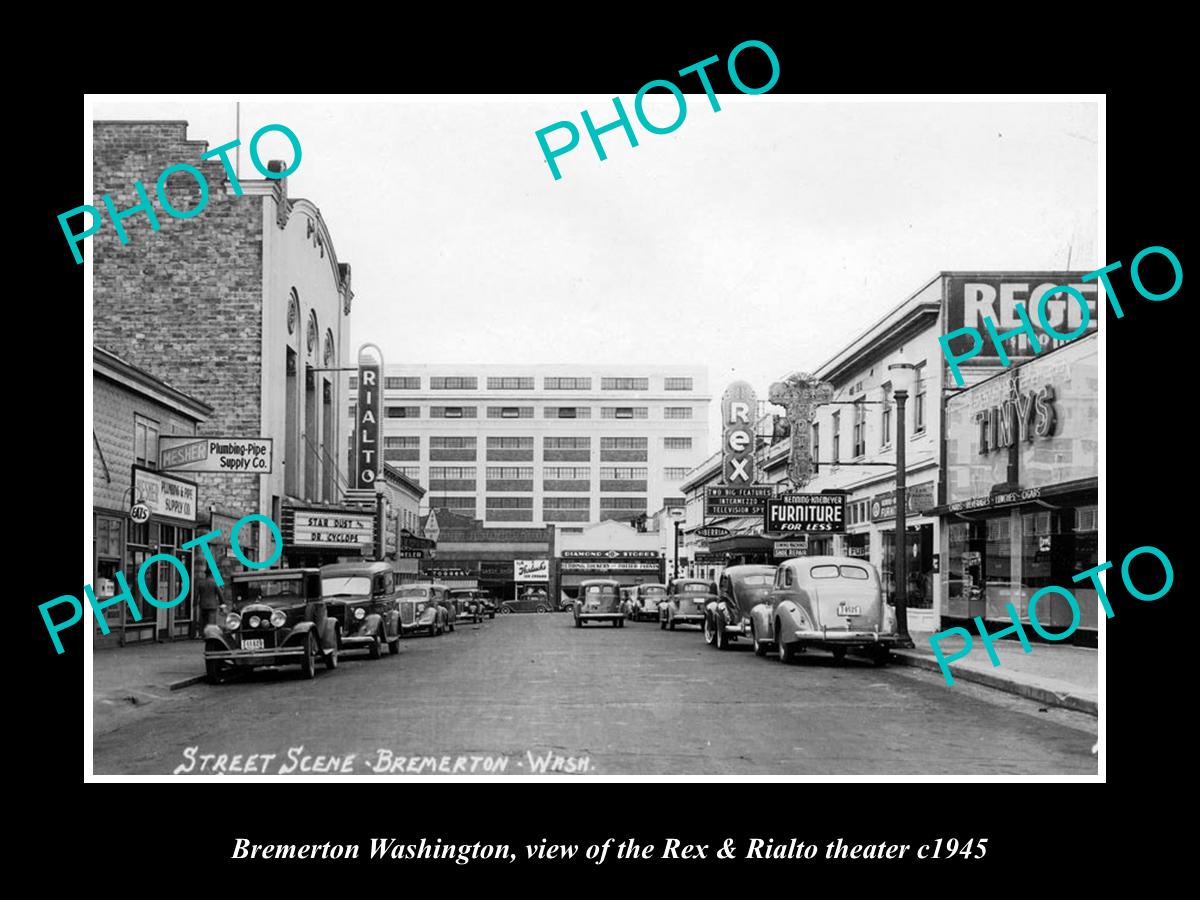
672	849
126	595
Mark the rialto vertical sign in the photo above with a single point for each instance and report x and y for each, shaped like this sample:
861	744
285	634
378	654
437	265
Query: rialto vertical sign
739	408
367	415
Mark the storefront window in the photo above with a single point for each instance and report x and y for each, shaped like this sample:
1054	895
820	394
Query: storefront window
918	547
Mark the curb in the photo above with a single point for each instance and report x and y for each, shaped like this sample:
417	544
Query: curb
190	680
1031	690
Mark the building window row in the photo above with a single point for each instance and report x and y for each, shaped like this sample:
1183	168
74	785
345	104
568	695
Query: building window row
677	443
624	412
452	443
510	472
451	473
623	503
567	384
623	443
566	502
623	473
408	442
567	473
510	412
677	412
566	443
398	412
886	418
458	502
400	383
677	384
624	384
510	443
507	383
675	473
568	412
453	412
453	383
494	502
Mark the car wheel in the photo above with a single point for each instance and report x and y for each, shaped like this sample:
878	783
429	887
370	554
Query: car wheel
504	611
784	650
620	623
721	639
760	648
308	662
394	645
662	624
330	658
212	670
492	614
839	653
376	648
541	609
670	624
710	637
881	657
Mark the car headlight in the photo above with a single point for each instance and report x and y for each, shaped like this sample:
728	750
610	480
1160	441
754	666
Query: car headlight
255	621
420	608
278	618
360	613
233	622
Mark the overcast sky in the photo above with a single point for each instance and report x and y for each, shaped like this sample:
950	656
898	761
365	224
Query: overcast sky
756	240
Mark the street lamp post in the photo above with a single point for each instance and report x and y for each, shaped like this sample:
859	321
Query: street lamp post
676	548
902	379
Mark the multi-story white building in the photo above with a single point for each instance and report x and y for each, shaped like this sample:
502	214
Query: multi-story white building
545	444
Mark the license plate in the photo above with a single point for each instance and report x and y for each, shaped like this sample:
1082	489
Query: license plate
844	610
252	644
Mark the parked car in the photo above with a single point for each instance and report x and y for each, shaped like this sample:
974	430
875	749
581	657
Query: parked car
830	602
685	602
741	589
361	597
420	610
645	601
599	600
533	600
443	597
276	618
488	602
468	605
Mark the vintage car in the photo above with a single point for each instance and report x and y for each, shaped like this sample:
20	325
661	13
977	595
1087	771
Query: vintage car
685	602
599	600
361	597
741	589
277	617
488	602
531	600
645	599
468	605
830	602
420	609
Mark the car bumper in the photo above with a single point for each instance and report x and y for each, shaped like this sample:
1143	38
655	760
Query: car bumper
848	638
257	657
689	619
355	641
601	617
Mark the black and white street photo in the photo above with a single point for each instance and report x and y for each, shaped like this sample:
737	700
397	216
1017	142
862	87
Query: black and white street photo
493	436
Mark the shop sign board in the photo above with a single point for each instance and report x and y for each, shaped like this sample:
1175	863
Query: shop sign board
736	501
805	513
215	454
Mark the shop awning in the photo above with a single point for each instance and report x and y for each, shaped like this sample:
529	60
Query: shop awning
1017	496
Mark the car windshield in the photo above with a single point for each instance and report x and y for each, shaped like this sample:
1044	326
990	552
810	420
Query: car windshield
273	591
417	592
694	588
596	590
855	573
345	585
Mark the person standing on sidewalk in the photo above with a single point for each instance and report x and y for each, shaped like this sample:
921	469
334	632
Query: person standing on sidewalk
210	599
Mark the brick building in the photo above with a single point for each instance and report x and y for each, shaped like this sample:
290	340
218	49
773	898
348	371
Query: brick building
245	306
131	408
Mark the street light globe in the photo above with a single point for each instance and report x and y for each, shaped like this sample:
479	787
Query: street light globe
903	375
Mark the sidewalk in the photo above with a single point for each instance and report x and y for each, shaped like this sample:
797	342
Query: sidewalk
1052	674
120	672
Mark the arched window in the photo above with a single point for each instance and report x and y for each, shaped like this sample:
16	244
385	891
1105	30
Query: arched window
293	311
330	353
311	339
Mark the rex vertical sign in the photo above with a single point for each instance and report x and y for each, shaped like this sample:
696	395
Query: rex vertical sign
367	413
739	408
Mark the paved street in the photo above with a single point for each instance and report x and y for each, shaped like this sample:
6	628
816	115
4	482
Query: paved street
631	701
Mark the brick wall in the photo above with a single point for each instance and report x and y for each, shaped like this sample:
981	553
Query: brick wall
183	303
